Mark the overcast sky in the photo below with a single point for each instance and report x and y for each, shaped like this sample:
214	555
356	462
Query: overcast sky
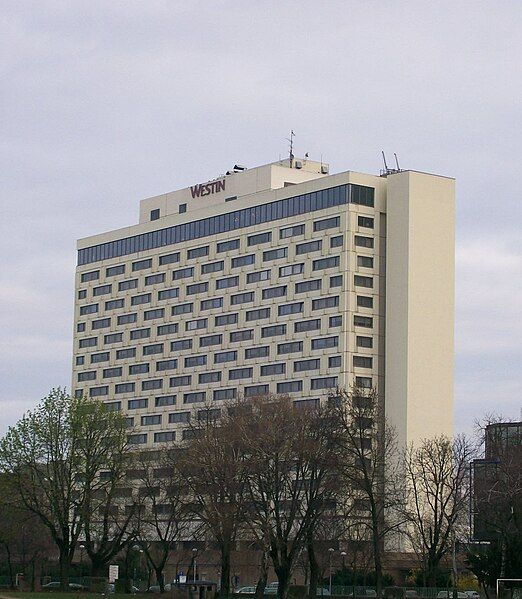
107	102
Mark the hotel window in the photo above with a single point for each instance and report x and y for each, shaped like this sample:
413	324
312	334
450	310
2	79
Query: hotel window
362	321
183	273
270	369
365	221
178	417
139	368
364	382
86	376
89	342
272	292
226	356
273	331
256	390
197	252
82	294
291	231
194	325
80	327
243	260
142	264
223	394
155	279
113	338
286	309
365	261
309	246
155	214
275	254
153	384
80	360
329	382
325	342
240	373
259	314
364	301
112	271
336	242
127	318
94	275
124	388
89	309
290	347
182	208
306	286
194	397
210	340
260	275
197	288
212	267
227	246
209	377
101	323
137	300
327	223
242	298
137	439
169	258
241	336
211	304
182	309
307	325
365	242
257	352
165	437
165	400
304	365
168	293
114	304
167	329
336	281
227	282
163	365
149	350
129	352
322	263
290	387
334	362
360	281
153	314
362	362
323	303
109	373
126	285
225	319
335	321
364	341
99	392
181	345
151	420
259	238
293	269
140	334
181	381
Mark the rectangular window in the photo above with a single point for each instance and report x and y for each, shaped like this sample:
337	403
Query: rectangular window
325	342
228	282
361	341
197	252
182	208
304	365
290	348
242	298
183	273
155	279
137	300
360	281
309	246
127	318
256	390
336	242
257	352
89	309
168	293
128	352
335	321
290	387
307	325
80	327
259	314
194	397
80	360
291	231
323	303
82	294
140	334
362	321
212	267
336	281
226	356
210	340
153	384
183	380
191	361
276	254
322	263
270	369
260	275
273	331
101	323
225	319
364	301
99	392
224	394
240	373
139	369
89	342
163	365
137	439
87	376
272	292
362	362
181	344
327	223
112	271
101	357
365	261
94	275
124	388
334	362
211	304
178	417
209	377
194	325
153	314
126	285
364	196
102	290
167	329
243	260
169	258
241	336
182	309
113	338
197	288
165	437
286	309
293	269
259	238
227	246
165	400
305	286
112	372
149	350
364	242
114	304
329	382
364	382
365	221
142	264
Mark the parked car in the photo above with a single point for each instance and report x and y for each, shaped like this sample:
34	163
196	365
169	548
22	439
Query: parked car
247	590
155	588
323	592
55	586
449	595
473	594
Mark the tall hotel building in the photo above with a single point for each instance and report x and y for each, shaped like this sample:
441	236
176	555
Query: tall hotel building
277	279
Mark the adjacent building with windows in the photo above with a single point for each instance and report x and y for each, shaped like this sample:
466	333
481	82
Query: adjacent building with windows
276	279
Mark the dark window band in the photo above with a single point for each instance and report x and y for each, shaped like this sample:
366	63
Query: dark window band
239	219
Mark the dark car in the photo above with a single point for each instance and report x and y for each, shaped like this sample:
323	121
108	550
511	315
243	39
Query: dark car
55	586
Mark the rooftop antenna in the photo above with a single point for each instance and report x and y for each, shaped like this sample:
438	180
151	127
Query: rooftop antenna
397	162
291	140
384	160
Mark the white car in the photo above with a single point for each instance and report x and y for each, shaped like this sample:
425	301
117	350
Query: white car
449	595
247	590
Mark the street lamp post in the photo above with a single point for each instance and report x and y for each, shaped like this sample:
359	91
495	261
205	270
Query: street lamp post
82	547
343	555
194	553
331	551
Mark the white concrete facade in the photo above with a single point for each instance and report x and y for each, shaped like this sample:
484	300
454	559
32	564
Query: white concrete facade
277	279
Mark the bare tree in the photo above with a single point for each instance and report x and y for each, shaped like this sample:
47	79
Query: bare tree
437	477
371	467
162	514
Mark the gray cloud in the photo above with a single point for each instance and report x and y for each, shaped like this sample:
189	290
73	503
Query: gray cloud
105	103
